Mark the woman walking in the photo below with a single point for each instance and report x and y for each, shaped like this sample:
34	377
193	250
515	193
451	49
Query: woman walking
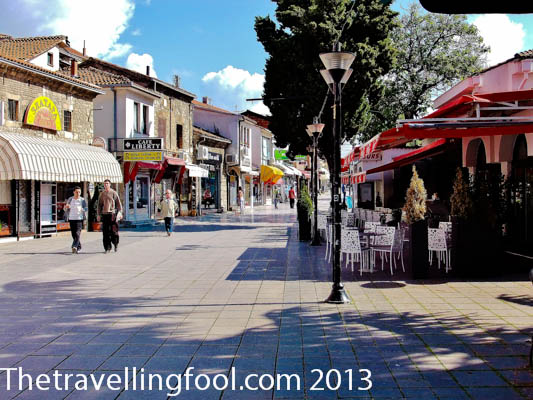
75	213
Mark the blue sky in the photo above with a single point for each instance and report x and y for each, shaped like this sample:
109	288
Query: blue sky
210	44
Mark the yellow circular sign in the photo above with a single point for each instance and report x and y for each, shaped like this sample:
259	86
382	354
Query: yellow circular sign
42	112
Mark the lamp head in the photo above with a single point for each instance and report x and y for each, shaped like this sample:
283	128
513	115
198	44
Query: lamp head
337	63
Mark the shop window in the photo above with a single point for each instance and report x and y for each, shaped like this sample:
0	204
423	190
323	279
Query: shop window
179	136
50	59
12	110
67	121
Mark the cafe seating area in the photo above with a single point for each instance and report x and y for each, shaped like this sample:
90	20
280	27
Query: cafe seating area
375	242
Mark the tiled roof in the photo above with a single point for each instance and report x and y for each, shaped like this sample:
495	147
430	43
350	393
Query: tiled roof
199	104
52	74
98	77
213	135
28	48
525	54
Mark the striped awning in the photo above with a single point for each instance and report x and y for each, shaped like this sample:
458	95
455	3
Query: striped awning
28	157
196	172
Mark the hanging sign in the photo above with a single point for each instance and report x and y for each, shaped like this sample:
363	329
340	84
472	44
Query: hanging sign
42	112
282	155
143	144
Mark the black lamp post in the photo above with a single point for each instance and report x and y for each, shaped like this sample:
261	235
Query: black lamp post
336	75
315	130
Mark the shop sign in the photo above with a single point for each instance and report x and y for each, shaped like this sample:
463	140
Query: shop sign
143	144
378	156
215	157
99	142
282	155
42	112
143	156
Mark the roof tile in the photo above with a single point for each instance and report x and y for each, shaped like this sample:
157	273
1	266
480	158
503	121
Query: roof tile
29	47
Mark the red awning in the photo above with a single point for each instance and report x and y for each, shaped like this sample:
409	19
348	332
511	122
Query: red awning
171	166
132	168
432	149
453	121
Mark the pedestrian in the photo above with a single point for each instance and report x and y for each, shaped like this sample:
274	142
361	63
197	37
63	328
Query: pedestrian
292	197
240	195
109	212
168	210
276	197
75	213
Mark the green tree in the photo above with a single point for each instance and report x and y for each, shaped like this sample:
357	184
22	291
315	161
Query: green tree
305	28
435	51
461	202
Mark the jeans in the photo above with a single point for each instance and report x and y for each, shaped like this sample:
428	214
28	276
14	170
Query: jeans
292	202
110	235
169	224
75	229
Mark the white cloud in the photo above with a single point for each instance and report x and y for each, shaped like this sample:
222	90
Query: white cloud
230	87
505	37
136	32
138	62
99	22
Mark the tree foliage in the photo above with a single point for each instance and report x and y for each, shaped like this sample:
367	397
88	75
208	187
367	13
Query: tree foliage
435	51
461	202
305	28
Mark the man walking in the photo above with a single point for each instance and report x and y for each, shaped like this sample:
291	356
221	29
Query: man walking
75	213
292	196
109	211
168	211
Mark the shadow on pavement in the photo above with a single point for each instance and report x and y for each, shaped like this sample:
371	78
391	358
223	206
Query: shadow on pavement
52	327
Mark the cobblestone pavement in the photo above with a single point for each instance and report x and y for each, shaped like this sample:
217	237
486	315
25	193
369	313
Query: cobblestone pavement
230	291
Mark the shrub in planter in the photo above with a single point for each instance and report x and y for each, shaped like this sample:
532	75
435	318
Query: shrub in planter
305	211
415	211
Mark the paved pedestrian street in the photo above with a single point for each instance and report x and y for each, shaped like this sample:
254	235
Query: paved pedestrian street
228	296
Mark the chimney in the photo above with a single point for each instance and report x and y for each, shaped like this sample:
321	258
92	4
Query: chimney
177	81
84	50
148	70
206	100
73	68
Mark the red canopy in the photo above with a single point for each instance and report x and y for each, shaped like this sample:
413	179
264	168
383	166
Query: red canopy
131	169
171	165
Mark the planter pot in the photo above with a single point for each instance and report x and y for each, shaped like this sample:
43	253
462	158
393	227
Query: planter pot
5	231
418	249
96	226
304	224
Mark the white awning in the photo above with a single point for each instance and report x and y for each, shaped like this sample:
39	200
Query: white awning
286	170
197	172
296	171
28	157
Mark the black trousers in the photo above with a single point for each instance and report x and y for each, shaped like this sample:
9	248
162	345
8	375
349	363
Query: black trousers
109	231
169	224
75	229
292	202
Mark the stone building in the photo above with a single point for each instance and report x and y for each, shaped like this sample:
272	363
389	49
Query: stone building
156	118
46	132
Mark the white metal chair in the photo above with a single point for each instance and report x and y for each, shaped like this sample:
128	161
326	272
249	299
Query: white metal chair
389	241
350	219
322	223
344	217
437	243
353	251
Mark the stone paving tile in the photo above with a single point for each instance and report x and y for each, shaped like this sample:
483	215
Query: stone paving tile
253	301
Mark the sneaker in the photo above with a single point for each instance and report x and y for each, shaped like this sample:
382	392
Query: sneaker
107	251
168	233
116	248
74	250
78	250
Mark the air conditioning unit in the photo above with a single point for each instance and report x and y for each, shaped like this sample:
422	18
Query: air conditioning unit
231	159
203	153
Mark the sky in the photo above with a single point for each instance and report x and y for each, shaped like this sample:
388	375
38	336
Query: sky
210	44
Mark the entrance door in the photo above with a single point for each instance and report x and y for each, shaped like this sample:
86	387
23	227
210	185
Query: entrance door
142	198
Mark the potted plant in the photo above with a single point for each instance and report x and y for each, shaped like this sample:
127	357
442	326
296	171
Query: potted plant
415	212
305	211
461	209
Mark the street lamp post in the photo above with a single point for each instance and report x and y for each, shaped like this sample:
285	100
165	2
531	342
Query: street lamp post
315	130
336	75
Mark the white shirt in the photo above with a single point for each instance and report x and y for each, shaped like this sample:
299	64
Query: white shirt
76	209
